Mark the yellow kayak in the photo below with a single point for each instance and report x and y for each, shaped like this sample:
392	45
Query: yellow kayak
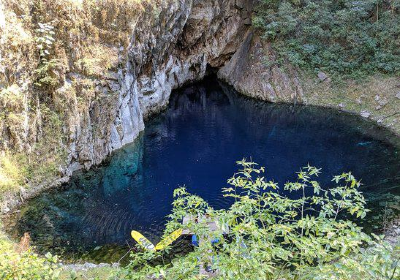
169	239
143	241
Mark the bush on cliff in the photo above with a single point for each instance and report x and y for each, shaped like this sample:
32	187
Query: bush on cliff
346	38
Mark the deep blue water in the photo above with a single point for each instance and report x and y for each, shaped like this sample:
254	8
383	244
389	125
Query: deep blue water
195	142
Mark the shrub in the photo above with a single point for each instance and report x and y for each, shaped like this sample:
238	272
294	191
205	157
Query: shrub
346	37
302	235
26	264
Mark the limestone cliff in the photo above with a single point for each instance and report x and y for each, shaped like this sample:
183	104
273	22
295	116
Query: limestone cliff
248	72
100	67
166	51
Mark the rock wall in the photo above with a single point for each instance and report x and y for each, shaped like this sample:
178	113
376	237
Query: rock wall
189	37
175	47
248	72
169	43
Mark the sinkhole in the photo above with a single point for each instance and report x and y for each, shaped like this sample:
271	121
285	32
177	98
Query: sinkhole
195	142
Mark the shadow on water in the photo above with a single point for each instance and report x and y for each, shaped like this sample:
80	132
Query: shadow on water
196	142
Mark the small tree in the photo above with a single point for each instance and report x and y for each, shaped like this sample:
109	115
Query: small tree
302	233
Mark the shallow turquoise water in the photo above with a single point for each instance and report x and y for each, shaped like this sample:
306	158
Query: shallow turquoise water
195	142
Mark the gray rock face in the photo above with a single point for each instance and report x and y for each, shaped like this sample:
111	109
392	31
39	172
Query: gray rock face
166	51
178	46
251	75
171	44
197	34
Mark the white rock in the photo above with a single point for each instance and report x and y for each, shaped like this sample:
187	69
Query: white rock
383	102
365	114
322	76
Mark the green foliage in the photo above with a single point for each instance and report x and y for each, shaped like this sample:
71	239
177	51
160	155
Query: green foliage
303	235
25	265
28	265
11	97
50	152
45	39
387	209
11	176
47	73
17	169
378	261
346	37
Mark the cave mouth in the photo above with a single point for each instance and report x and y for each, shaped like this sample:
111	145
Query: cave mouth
196	142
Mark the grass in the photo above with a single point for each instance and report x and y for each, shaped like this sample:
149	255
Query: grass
374	97
11	175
